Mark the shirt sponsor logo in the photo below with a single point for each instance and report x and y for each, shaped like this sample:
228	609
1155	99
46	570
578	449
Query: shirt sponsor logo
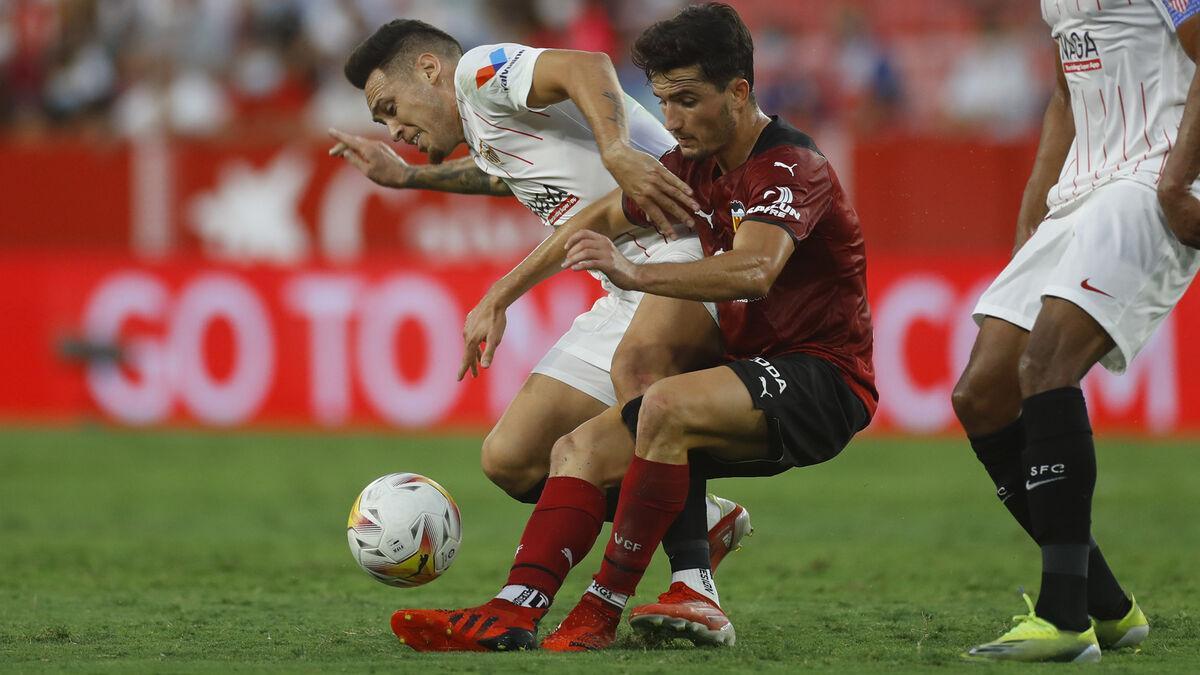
563	206
498	59
504	71
780	208
1079	52
551	204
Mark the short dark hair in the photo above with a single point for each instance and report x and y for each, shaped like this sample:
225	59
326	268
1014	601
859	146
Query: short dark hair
391	40
710	35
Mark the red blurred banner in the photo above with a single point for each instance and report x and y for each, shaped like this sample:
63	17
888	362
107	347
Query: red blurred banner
378	343
292	204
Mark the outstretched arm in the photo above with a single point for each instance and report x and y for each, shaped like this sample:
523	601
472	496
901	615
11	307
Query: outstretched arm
590	82
378	162
486	322
745	272
1058	133
1180	206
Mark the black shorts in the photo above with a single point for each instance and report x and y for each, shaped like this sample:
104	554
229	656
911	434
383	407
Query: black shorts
811	414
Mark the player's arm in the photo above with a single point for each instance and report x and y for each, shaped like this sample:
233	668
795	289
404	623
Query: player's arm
485	323
746	272
378	162
1180	206
590	82
1058	133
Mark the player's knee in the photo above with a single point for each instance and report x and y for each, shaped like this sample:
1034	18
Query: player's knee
986	398
634	369
663	414
514	475
970	403
576	456
1037	373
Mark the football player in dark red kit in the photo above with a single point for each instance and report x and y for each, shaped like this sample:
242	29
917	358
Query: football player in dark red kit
785	261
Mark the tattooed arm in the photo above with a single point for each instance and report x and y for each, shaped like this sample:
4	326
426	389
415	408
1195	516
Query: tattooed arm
377	161
590	82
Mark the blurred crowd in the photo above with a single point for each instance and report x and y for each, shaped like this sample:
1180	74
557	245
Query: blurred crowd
272	68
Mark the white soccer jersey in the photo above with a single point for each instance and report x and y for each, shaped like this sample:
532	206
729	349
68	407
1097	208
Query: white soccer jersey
1128	78
547	156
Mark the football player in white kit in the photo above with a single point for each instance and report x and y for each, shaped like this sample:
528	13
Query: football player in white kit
1103	252
554	129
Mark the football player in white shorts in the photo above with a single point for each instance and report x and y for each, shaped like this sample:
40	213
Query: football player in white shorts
554	129
1104	250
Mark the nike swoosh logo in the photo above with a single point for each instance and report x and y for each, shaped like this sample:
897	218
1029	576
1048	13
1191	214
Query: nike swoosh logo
1088	287
1030	486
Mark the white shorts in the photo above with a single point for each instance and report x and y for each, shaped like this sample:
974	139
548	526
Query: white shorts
1111	254
582	357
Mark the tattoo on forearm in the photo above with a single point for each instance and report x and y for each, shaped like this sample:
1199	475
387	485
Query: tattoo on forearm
618	108
460	177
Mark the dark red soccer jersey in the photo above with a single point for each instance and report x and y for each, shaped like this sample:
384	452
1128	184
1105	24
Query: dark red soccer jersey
818	304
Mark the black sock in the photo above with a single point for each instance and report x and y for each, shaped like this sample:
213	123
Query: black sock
611	496
1106	598
534	493
1000	454
686	541
1060	477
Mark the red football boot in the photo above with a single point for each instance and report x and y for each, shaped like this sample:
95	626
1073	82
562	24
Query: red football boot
729	525
591	625
684	613
495	626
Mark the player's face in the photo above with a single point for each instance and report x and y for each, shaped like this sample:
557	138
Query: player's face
410	105
697	112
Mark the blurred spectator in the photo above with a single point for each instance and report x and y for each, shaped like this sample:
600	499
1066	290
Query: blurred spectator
993	86
272	68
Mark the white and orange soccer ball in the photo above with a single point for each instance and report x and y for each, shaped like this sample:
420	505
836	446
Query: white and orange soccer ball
404	529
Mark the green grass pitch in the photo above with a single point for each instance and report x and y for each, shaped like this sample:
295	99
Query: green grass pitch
190	551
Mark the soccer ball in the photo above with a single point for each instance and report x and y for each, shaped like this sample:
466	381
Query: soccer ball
404	529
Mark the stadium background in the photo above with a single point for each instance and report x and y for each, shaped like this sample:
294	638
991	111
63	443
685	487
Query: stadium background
225	272
178	254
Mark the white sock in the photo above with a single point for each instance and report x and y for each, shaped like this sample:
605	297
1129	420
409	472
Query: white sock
607	595
699	580
524	596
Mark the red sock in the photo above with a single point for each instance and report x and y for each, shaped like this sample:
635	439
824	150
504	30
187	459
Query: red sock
567	519
652	495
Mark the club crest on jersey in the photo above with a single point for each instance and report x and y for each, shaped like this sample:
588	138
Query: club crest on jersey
498	59
737	211
489	153
1079	52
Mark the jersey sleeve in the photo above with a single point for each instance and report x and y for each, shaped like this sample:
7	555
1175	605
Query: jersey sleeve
1179	11
499	76
633	212
794	192
674	163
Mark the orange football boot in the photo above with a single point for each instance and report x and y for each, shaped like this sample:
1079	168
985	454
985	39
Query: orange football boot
495	626
591	625
683	613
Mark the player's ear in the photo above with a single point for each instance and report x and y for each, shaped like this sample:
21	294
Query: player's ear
740	89
429	67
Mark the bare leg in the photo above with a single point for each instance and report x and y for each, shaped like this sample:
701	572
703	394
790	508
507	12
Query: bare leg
516	454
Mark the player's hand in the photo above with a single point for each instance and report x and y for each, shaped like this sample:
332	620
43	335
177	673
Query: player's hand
1182	210
588	250
485	325
375	159
663	196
